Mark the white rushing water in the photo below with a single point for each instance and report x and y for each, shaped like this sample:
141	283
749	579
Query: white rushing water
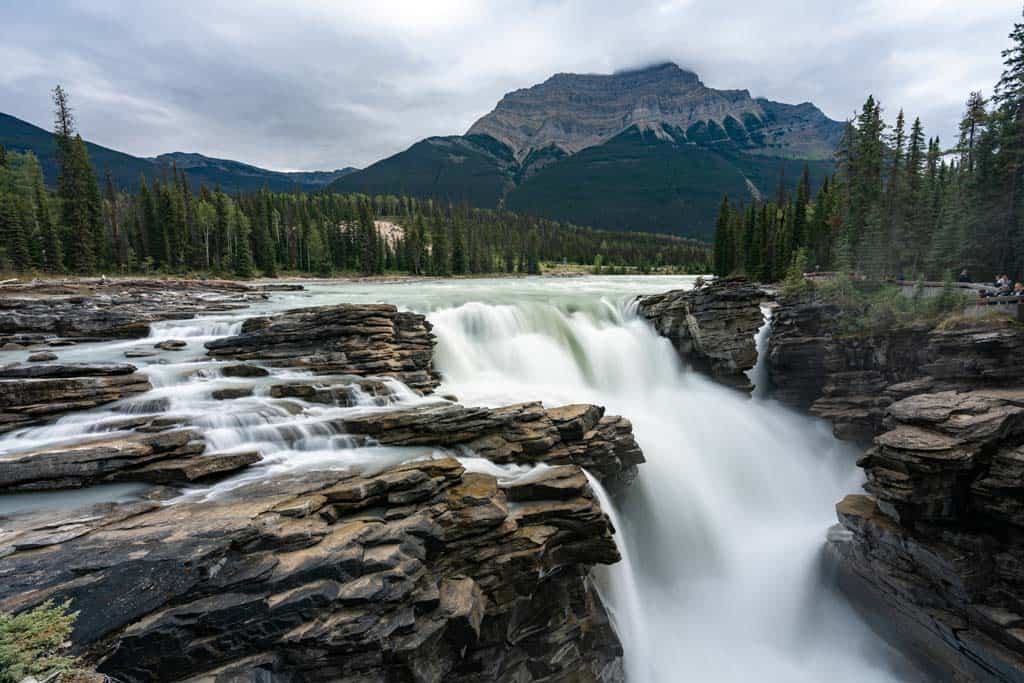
721	534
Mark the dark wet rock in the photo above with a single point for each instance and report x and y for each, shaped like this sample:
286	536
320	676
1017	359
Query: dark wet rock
280	287
139	353
105	309
712	327
346	339
35	393
243	370
42	357
421	572
934	554
171	345
228	393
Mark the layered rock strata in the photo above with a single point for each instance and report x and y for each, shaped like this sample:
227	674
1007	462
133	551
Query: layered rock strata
712	326
935	552
35	393
423	571
851	379
354	339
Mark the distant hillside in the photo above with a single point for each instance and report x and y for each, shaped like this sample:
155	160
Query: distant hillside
230	176
648	150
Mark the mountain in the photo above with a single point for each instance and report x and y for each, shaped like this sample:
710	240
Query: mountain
224	172
652	149
230	176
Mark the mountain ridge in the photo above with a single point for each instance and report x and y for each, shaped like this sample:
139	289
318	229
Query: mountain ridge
231	176
576	111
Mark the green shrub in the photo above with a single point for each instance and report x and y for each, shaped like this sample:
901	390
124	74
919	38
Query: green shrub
31	643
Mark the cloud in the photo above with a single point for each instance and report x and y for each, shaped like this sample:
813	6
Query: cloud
312	85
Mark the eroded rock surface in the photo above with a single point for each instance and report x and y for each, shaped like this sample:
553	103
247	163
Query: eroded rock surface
354	339
935	552
712	327
521	433
852	379
35	393
423	571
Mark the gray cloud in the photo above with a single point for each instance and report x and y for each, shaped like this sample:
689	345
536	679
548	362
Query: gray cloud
313	85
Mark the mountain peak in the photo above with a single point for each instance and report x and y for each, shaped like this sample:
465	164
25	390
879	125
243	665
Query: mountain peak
571	112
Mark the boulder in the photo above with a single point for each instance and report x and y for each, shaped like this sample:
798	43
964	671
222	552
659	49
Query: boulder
712	327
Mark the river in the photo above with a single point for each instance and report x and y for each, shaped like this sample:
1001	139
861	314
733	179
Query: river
722	577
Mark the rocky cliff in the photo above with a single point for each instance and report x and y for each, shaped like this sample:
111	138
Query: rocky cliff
570	112
934	553
712	326
426	570
851	379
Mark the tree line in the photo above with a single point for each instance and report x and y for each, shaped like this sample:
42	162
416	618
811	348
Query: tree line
899	205
166	226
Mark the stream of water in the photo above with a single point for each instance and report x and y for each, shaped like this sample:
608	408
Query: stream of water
721	534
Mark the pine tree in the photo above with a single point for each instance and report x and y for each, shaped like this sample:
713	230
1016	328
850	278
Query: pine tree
244	265
724	247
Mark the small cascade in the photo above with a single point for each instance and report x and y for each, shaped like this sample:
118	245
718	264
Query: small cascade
759	373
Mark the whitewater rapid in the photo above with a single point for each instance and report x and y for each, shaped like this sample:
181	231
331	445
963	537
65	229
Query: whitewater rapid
721	534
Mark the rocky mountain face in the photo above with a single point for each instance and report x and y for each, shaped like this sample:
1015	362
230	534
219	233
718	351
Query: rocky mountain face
651	150
570	112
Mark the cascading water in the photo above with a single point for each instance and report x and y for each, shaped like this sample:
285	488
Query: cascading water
720	534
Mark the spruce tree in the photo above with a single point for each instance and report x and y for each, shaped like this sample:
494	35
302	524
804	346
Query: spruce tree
724	247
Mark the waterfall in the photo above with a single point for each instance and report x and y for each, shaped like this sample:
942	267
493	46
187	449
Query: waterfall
720	534
722	531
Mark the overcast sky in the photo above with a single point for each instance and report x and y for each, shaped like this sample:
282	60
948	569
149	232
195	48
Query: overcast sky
300	85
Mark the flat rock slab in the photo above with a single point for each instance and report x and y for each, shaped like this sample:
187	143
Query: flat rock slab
192	469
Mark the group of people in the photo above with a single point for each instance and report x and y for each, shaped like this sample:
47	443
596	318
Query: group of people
1004	286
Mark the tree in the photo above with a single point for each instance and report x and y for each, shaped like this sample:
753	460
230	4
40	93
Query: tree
724	247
